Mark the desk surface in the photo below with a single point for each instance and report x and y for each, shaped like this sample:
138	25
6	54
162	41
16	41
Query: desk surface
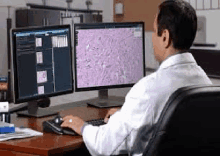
50	143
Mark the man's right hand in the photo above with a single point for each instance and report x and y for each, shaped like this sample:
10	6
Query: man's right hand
109	113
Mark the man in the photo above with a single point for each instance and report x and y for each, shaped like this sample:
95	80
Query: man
129	129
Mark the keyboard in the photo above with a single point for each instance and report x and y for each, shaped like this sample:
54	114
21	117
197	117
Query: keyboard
96	122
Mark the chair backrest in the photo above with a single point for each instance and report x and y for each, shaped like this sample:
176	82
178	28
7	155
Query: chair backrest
189	124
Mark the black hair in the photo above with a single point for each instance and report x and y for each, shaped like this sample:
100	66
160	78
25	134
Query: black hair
180	19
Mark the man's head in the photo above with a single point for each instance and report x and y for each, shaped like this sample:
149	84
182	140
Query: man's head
174	28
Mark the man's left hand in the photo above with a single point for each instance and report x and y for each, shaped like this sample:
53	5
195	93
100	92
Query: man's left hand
73	122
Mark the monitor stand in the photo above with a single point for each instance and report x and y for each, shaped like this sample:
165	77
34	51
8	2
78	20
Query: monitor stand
104	101
34	111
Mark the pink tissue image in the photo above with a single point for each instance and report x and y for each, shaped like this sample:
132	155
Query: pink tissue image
109	57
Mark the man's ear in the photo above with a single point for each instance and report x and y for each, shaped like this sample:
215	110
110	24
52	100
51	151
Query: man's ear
166	38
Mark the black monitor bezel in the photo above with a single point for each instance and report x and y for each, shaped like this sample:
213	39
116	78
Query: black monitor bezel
16	98
110	25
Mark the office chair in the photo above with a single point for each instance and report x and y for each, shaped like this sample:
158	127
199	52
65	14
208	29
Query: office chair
189	124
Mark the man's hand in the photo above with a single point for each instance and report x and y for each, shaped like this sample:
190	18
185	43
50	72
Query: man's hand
109	113
73	122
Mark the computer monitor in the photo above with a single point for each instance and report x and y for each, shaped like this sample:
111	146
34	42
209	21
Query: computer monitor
108	55
42	66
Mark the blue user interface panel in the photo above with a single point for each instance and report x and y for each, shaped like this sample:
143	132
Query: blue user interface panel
42	60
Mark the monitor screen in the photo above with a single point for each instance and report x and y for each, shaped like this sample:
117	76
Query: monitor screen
108	55
42	62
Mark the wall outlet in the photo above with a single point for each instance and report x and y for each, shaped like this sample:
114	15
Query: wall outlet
4	107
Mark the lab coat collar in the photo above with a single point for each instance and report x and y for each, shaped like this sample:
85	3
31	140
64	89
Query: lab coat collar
179	58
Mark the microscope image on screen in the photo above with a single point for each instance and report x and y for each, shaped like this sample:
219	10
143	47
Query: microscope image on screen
109	56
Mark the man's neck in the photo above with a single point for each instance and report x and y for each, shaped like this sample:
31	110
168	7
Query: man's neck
171	53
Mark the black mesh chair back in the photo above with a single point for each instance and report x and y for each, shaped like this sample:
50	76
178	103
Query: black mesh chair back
189	124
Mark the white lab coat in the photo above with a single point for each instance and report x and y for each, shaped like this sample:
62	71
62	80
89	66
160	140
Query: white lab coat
129	130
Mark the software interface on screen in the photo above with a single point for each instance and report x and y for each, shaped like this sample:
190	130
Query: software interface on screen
43	62
108	55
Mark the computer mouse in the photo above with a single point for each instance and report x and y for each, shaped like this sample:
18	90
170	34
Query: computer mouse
68	131
58	120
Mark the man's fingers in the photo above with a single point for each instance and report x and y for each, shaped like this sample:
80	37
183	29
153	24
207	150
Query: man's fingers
107	115
66	124
63	124
106	120
67	117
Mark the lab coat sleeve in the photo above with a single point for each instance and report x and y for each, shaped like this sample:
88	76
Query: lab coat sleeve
115	137
109	139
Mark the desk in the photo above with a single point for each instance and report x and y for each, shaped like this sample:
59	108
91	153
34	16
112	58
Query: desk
50	143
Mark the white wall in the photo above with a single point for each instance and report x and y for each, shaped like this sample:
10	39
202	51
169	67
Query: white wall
150	60
211	17
3	41
212	25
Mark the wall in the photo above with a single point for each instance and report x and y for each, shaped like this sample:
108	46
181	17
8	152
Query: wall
3	42
211	16
150	60
212	25
138	10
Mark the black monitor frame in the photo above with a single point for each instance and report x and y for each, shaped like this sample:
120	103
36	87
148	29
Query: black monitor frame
33	101
103	90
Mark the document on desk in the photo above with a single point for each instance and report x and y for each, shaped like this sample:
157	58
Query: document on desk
20	133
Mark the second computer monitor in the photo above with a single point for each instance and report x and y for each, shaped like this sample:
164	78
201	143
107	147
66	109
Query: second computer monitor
42	65
108	55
